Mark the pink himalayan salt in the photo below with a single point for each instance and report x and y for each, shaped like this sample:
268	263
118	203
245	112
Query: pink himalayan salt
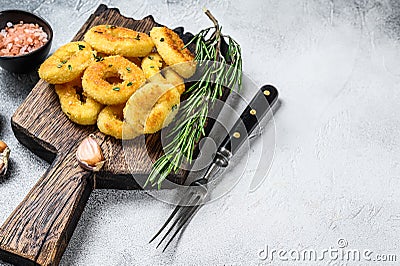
21	38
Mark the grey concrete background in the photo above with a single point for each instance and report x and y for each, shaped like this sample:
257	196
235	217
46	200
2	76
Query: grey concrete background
336	171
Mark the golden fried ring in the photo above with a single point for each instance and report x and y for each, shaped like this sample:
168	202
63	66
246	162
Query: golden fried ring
145	113
110	122
171	48
77	106
95	82
118	40
163	111
151	66
67	63
172	77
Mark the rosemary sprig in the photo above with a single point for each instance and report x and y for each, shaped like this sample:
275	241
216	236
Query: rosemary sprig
217	70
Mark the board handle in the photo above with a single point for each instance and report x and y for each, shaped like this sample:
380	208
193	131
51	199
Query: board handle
39	229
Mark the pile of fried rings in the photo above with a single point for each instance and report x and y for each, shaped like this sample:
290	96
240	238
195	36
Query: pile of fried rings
126	82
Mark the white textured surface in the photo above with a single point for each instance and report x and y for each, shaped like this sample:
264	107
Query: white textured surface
336	172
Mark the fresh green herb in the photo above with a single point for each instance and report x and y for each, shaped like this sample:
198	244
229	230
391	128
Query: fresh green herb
151	66
161	39
174	107
129	83
69	67
80	46
116	89
64	61
150	57
129	69
59	65
225	70
137	37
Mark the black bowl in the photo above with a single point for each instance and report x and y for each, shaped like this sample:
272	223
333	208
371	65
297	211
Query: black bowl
27	62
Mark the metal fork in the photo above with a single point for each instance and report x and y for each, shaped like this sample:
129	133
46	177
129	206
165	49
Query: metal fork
197	191
190	203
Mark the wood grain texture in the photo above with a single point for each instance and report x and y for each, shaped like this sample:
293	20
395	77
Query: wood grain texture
39	229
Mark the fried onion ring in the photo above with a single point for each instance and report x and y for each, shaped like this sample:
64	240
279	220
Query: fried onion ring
145	113
110	122
118	40
95	80
67	63
76	105
171	48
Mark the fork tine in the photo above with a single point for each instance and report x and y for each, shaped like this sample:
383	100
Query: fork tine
166	222
185	209
182	224
169	230
181	214
185	199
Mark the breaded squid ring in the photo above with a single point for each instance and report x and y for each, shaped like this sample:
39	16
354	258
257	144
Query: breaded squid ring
67	63
110	122
163	111
139	111
151	66
172	77
76	105
95	82
171	48
118	40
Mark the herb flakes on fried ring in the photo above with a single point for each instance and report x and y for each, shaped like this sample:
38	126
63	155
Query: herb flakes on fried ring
153	71
151	66
173	51
151	107
114	40
79	108
113	80
67	63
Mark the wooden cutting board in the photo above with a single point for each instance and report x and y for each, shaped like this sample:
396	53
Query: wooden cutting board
39	229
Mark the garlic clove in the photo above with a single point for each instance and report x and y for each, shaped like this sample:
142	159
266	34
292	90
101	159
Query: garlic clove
89	154
3	146
4	155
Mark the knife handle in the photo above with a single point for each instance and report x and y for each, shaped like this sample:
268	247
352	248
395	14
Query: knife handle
248	121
